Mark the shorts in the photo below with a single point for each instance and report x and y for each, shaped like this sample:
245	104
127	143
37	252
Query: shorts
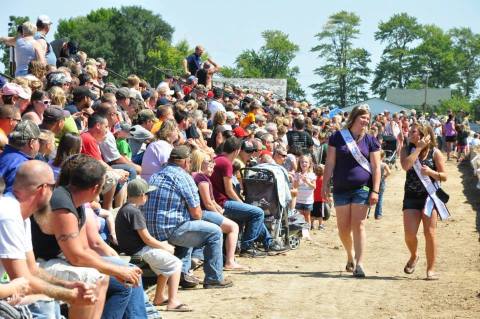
414	203
461	148
213	217
300	206
60	268
317	210
160	261
452	138
356	196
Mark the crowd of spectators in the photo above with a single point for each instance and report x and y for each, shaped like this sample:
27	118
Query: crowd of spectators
76	150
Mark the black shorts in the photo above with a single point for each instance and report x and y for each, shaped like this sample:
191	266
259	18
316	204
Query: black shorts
317	210
414	203
452	138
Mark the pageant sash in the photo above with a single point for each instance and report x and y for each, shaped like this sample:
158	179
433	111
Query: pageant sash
354	150
432	200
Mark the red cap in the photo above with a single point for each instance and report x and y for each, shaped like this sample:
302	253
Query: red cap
240	132
210	94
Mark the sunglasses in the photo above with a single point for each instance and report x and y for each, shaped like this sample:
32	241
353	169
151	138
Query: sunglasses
50	185
47	102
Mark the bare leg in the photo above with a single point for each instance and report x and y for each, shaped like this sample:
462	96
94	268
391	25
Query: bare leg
160	289
411	222
358	217
230	228
173	283
344	229
121	196
429	230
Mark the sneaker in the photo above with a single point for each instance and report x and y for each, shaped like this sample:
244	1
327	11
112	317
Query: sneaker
187	281
225	283
321	227
276	249
252	253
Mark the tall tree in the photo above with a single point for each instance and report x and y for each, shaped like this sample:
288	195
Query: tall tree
123	36
395	68
345	69
466	47
13	24
272	60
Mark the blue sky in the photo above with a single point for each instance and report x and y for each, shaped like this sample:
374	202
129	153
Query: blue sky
225	28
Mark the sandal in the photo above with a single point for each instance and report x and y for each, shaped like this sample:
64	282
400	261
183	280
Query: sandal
350	266
432	276
410	268
180	308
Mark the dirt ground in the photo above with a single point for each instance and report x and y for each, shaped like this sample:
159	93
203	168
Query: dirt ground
310	282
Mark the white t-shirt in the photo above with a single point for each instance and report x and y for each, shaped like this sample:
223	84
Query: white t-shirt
214	107
15	232
109	149
305	192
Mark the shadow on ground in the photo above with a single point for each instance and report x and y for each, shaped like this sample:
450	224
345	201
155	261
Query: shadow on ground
322	274
471	192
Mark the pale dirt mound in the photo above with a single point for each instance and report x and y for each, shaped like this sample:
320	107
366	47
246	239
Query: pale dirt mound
310	282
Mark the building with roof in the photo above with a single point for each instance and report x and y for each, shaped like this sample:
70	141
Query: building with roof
416	98
378	106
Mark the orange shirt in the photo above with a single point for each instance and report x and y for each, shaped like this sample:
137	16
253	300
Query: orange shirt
248	119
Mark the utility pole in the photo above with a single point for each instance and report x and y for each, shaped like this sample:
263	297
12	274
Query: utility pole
427	74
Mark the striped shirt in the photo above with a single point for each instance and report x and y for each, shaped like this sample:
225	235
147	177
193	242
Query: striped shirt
167	207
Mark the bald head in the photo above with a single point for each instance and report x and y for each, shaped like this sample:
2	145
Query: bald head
31	174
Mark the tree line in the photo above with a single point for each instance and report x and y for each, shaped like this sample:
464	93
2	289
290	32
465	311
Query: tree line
135	40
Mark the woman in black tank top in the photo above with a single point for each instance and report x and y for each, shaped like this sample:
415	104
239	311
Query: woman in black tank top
422	146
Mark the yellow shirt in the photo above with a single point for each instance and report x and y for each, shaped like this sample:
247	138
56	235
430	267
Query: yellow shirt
156	127
248	119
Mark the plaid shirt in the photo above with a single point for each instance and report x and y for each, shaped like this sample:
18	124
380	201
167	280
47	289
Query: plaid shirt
167	206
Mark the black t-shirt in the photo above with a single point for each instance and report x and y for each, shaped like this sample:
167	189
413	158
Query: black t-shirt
300	139
46	246
414	188
130	219
202	76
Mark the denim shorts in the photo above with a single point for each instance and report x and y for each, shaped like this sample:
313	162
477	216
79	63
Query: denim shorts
308	207
212	217
355	196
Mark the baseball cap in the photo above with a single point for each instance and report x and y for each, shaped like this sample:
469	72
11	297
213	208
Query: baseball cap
240	132
25	131
53	114
230	115
191	79
123	93
139	133
57	78
81	92
145	115
15	89
44	19
248	147
138	187
180	152
165	90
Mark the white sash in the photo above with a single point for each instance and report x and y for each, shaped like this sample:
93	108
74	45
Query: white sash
354	150
432	199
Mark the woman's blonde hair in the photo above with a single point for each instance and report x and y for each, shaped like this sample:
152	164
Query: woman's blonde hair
167	128
196	160
92	71
357	111
57	96
424	130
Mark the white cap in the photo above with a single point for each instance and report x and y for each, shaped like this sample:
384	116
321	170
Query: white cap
44	19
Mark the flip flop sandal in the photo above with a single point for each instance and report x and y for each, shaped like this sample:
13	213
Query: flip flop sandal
409	269
350	266
432	277
180	308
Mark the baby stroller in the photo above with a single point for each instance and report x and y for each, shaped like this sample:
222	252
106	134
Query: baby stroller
266	186
389	146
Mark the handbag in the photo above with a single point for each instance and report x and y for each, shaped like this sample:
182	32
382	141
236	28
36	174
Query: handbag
442	195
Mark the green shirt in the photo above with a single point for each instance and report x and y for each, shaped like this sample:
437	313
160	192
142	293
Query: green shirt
69	127
124	148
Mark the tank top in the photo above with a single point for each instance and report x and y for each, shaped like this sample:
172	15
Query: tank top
24	53
413	186
49	55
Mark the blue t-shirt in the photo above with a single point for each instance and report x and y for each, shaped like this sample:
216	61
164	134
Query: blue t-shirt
10	161
348	174
194	62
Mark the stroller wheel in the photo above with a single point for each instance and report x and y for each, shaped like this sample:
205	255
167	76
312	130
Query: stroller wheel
293	242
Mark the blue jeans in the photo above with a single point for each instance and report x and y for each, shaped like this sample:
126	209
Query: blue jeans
354	196
199	233
249	215
127	167
43	309
379	206
123	302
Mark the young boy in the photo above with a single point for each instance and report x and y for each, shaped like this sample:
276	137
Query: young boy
121	136
134	239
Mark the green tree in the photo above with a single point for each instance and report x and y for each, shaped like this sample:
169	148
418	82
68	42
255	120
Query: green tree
456	103
272	61
345	70
13	24
395	68
466	47
436	56
123	36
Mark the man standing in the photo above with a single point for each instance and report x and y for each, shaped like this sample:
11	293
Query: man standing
173	213
31	193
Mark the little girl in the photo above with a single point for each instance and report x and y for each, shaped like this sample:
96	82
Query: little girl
384	172
304	182
321	209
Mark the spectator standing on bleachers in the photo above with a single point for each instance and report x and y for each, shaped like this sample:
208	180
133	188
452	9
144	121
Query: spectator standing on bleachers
43	27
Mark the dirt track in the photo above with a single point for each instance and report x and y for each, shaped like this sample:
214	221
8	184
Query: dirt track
310	283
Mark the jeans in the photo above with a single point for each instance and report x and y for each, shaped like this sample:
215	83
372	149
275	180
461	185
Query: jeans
127	167
44	309
123	302
249	215
199	233
355	196
379	206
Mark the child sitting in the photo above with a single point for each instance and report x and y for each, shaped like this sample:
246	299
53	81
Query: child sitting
47	145
121	136
136	240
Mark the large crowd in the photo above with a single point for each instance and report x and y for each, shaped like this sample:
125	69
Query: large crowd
93	172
